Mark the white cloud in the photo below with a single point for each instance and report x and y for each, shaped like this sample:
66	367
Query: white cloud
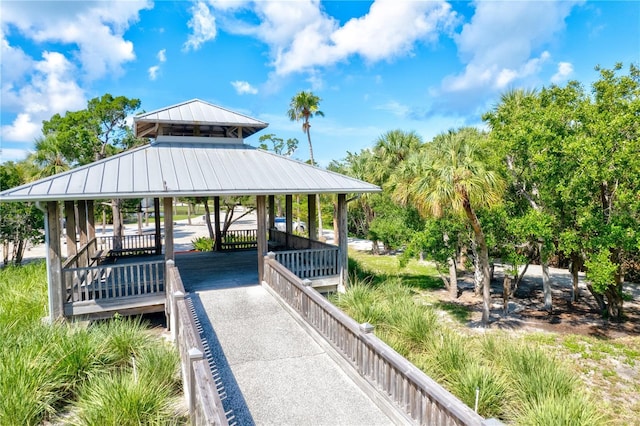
301	37
91	35
243	87
153	72
51	89
162	55
395	108
499	44
13	154
565	69
96	28
203	25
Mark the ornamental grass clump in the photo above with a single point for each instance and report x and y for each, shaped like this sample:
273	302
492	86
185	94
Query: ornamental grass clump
120	398
61	372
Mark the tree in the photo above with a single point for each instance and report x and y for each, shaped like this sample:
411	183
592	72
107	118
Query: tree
20	223
303	106
278	145
451	174
91	134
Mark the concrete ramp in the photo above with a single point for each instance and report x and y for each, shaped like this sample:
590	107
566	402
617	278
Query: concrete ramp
270	370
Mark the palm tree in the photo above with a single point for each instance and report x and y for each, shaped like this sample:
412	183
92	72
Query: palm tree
303	106
392	149
48	157
451	173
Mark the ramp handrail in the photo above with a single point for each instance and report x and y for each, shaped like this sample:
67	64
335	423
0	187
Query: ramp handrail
403	384
201	393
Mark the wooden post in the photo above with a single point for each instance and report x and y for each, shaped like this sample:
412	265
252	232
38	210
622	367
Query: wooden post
82	227
91	227
168	229
156	218
272	211
262	233
342	242
195	354
54	265
312	226
70	220
216	225
288	208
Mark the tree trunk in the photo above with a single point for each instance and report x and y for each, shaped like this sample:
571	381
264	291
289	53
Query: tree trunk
453	279
189	212
116	205
207	219
5	253
477	269
614	302
483	259
576	265
546	282
506	293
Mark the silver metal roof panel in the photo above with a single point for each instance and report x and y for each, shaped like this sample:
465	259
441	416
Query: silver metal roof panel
167	169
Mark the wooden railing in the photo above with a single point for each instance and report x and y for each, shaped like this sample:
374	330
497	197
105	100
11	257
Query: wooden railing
403	384
112	281
239	239
83	257
200	391
311	263
128	244
295	242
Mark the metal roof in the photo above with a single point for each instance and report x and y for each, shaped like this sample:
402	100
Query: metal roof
195	113
177	168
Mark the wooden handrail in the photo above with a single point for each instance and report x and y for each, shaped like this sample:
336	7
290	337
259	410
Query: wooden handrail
295	242
201	393
402	383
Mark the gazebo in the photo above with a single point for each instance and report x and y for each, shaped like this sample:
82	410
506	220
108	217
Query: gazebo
197	150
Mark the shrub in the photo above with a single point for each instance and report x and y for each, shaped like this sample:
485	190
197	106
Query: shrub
203	244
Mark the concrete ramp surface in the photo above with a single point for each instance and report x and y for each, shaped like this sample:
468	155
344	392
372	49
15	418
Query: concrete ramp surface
271	371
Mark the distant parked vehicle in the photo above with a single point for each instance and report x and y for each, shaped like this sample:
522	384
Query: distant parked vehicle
281	225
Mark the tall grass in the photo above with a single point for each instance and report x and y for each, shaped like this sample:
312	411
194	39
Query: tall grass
47	370
512	379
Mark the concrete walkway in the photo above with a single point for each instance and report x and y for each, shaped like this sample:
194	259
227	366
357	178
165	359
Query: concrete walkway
271	370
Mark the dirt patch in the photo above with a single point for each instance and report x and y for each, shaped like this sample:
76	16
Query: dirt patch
526	307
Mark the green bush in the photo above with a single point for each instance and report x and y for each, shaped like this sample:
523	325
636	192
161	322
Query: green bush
203	244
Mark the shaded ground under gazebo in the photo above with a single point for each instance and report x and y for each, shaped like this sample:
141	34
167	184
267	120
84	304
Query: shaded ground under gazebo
197	150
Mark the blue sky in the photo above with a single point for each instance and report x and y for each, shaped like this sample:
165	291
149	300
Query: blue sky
426	66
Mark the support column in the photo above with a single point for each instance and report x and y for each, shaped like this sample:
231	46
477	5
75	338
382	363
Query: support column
262	233
156	219
312	226
54	265
84	236
288	208
91	227
342	241
168	229
70	221
272	211
216	225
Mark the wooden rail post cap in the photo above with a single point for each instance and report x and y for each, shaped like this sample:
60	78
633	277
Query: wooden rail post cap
365	327
306	282
195	354
170	263
178	294
271	255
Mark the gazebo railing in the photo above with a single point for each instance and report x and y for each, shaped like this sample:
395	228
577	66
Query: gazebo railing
239	239
127	244
114	281
311	263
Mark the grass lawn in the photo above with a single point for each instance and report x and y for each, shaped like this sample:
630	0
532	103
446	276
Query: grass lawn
113	372
524	376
